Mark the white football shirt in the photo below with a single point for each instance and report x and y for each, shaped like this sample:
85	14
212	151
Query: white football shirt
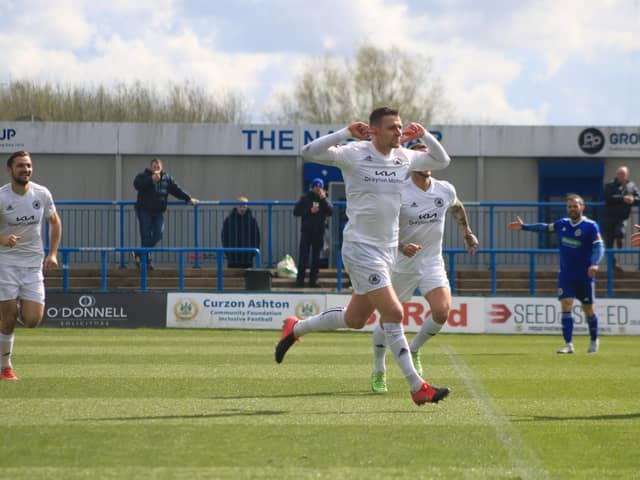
373	182
422	219
23	215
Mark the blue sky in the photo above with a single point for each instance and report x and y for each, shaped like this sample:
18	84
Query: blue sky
521	62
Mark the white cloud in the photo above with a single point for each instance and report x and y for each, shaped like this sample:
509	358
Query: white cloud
482	51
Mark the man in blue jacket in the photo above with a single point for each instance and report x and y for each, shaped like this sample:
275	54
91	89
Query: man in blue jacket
313	208
154	186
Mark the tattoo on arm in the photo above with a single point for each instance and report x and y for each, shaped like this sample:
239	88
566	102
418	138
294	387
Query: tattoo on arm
460	214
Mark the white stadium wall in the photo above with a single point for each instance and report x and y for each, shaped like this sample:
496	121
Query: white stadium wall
221	161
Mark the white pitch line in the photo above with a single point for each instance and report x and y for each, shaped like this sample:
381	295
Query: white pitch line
524	459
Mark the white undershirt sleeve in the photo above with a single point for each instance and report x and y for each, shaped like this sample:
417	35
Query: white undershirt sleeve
321	149
436	158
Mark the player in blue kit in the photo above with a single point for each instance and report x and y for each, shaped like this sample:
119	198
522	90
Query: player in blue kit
581	250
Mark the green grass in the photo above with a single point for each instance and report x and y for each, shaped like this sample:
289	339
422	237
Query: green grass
178	404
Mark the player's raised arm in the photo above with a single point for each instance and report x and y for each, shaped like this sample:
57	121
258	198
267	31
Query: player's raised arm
324	148
530	227
435	158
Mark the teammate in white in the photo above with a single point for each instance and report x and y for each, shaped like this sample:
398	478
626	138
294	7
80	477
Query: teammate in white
420	264
374	173
24	205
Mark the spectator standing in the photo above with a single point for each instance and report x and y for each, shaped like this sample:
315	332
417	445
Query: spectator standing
313	208
24	206
619	196
154	186
240	229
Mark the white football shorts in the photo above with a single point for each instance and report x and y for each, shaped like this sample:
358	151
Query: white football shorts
405	284
26	283
368	266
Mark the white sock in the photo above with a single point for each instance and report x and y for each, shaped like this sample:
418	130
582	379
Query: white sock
6	347
394	333
379	349
332	319
428	329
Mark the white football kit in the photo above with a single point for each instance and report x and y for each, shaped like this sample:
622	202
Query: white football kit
21	265
422	221
373	185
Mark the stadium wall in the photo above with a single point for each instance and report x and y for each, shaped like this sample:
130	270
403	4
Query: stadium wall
220	162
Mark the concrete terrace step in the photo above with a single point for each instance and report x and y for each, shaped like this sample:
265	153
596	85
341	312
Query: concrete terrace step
470	282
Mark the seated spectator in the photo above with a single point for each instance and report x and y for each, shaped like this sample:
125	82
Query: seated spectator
240	229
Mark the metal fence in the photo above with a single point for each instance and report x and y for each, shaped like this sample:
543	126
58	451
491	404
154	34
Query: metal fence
114	225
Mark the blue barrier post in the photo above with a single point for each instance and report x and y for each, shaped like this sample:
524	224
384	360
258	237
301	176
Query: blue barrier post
270	239
219	263
181	270
103	265
122	236
143	268
196	234
532	273
609	274
494	273
65	270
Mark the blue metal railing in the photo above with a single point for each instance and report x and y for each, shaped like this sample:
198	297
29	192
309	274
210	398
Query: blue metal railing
114	223
451	253
104	251
91	226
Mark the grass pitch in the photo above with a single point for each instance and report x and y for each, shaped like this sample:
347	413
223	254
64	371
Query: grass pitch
184	404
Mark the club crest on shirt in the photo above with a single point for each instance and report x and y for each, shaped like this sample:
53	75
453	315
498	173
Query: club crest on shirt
374	279
578	232
36	205
439	202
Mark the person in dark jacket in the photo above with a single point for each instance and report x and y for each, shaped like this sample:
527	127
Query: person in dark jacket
619	196
240	229
313	208
154	186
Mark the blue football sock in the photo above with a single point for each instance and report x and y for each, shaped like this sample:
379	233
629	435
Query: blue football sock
592	322
567	326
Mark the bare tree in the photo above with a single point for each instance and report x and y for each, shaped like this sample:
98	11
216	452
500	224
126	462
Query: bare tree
184	103
331	90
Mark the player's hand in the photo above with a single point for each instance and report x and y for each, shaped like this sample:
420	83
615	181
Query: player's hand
593	269
155	176
471	241
411	249
359	130
10	240
635	238
413	131
51	262
517	225
629	199
194	201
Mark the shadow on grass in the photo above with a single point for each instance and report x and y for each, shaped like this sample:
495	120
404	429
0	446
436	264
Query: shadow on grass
226	414
621	416
359	393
